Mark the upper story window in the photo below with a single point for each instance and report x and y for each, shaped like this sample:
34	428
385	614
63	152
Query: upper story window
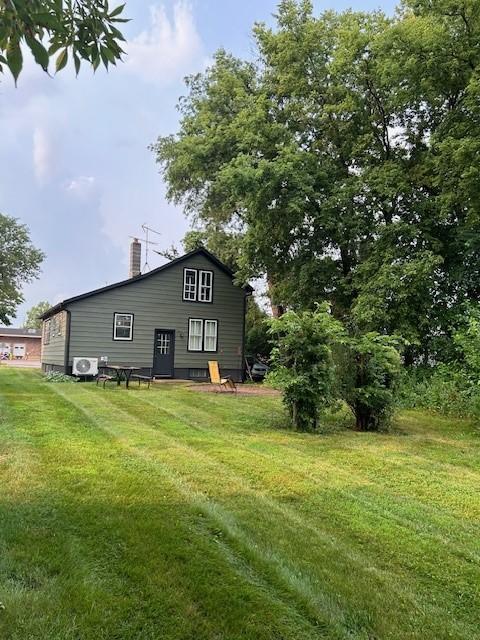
190	284
197	285
123	326
206	286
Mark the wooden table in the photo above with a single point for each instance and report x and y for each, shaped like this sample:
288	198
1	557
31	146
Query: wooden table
122	372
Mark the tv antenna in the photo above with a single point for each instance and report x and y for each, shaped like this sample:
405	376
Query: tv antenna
147	242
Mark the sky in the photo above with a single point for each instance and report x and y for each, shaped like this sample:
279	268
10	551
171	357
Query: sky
74	160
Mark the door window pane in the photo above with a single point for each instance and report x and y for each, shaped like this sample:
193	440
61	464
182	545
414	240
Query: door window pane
163	344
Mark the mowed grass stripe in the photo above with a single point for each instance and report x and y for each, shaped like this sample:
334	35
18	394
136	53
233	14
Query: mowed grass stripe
124	555
186	468
122	399
419	516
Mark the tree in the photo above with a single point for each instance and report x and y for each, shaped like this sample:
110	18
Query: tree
257	338
83	29
348	160
19	264
32	320
302	363
369	369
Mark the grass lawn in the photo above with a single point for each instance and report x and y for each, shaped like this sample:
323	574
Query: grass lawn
168	513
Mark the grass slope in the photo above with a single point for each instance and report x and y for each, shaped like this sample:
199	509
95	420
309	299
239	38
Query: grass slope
170	514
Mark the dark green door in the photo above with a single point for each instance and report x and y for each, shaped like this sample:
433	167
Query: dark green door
163	352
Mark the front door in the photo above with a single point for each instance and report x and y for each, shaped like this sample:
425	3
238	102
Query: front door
163	352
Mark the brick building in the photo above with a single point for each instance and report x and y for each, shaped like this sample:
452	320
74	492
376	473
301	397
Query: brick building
20	344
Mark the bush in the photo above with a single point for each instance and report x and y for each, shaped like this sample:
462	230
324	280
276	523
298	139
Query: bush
58	376
302	363
447	389
369	369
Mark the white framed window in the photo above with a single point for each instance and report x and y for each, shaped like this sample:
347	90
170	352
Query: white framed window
195	334
210	335
190	284
46	331
123	326
205	288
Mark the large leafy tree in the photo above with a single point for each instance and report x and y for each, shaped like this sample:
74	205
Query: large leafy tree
82	29
346	159
19	263
32	320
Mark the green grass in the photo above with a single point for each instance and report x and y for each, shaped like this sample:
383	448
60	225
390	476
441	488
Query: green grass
173	514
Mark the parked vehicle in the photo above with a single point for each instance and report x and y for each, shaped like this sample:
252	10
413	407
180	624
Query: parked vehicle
258	369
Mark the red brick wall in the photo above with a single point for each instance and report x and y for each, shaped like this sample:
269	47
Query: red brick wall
32	346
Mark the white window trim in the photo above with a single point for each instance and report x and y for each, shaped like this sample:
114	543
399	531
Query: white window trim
209	288
121	339
214	322
185	271
190	334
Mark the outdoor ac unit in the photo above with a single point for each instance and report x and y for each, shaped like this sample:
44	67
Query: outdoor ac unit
85	366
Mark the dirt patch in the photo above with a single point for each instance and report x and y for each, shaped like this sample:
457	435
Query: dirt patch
242	389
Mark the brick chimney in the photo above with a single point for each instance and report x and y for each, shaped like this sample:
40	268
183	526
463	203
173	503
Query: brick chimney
135	258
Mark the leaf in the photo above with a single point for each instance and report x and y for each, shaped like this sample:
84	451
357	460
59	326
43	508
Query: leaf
15	60
54	47
61	60
117	34
47	20
117	11
39	52
76	61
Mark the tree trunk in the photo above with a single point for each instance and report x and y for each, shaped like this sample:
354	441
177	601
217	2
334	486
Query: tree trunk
364	419
277	309
409	356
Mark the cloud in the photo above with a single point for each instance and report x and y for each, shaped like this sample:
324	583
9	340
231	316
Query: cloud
168	49
42	155
81	187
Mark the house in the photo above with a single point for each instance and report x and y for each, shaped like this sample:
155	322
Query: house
20	344
169	321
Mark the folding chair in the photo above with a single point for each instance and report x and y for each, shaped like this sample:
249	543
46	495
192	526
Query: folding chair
223	383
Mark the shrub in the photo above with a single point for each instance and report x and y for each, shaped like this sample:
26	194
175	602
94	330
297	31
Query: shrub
58	376
369	369
302	363
447	389
467	341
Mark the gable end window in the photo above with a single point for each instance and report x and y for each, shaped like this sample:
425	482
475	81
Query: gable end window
190	284
123	326
206	286
202	334
197	285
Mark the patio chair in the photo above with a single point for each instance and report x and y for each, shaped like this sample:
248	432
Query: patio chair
215	378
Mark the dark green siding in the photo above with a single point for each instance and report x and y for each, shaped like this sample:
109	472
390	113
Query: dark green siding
156	303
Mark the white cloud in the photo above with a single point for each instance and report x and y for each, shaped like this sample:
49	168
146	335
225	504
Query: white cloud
42	155
169	49
82	186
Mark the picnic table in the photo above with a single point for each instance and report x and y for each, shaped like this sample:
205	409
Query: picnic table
122	372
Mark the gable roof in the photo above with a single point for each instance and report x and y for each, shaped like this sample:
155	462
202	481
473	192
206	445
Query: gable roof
22	332
201	251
